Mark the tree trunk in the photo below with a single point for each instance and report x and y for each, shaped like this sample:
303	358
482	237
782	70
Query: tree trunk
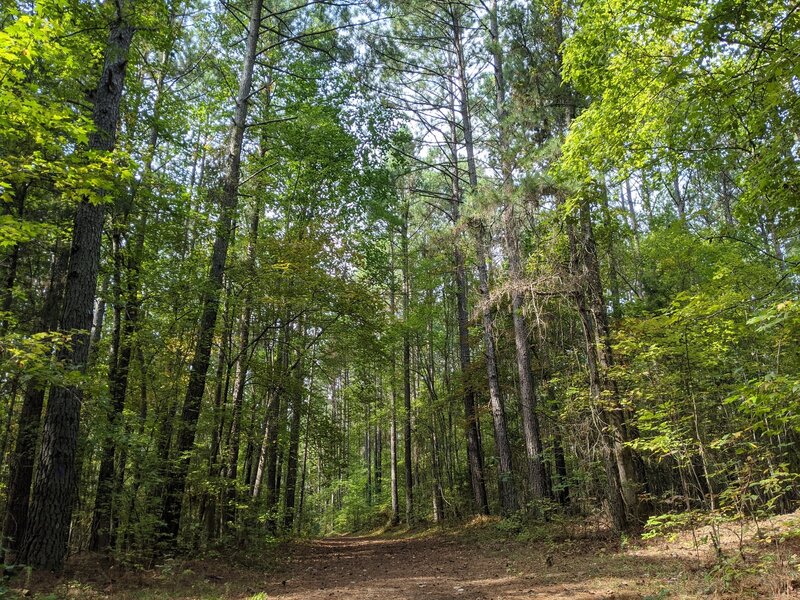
299	519
22	460
395	518
123	342
528	401
377	453
297	395
45	543
224	232
274	422
530	421
502	447
240	378
617	456
407	370
474	450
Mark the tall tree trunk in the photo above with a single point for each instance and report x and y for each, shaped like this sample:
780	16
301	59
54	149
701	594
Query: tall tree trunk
30	418
508	500
100	534
368	452
300	504
55	488
378	453
616	414
618	458
528	400
224	232
530	421
240	378
123	340
437	493
395	497
474	450
408	464
222	377
297	395
275	411
261	464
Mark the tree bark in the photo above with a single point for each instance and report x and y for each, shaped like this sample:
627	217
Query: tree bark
123	341
407	460
176	485
474	449
530	421
29	424
275	409
395	497
297	394
240	377
508	499
45	543
617	456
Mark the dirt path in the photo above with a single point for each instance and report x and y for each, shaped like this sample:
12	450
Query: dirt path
468	564
437	568
475	563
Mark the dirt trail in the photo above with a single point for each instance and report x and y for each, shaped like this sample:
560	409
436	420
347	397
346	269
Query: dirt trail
464	565
474	563
366	568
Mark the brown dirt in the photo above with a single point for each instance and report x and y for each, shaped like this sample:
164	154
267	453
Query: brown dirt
366	568
475	564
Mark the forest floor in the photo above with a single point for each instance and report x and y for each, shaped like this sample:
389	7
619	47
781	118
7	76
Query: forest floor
480	561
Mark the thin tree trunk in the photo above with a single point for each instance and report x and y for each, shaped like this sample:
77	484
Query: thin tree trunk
123	339
100	534
222	376
274	423
474	450
395	518
378	452
617	456
408	465
101	537
228	202
502	447
240	378
297	394
530	421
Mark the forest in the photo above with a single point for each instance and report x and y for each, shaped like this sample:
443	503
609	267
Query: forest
286	269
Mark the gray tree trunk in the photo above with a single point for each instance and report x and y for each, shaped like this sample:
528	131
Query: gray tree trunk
508	501
190	413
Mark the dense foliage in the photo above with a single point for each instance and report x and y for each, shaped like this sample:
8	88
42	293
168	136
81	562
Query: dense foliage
347	264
